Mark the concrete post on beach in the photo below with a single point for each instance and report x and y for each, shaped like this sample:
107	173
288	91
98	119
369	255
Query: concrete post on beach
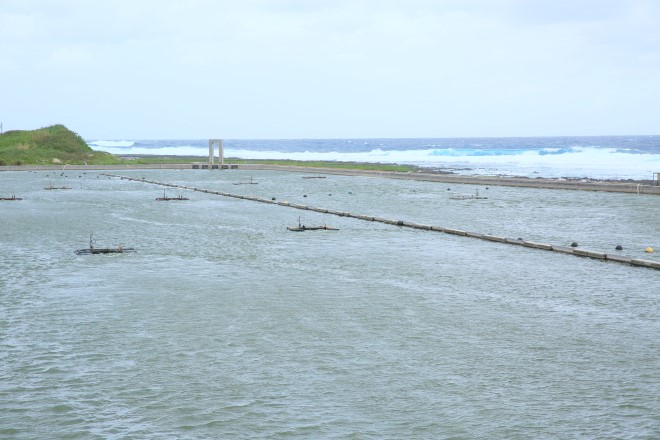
212	144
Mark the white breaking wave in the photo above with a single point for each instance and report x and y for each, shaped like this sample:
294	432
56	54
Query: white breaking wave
110	144
601	163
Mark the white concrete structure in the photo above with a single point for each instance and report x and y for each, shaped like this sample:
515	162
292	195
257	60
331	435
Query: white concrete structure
221	156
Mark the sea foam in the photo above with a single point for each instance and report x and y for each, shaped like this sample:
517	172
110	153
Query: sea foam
531	158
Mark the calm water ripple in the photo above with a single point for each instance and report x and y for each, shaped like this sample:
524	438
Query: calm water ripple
225	325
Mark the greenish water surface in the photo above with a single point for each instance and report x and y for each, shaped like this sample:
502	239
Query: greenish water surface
224	324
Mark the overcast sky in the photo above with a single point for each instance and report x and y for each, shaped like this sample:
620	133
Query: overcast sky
165	69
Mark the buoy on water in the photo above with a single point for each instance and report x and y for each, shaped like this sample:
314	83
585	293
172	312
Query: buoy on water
574	244
619	247
649	250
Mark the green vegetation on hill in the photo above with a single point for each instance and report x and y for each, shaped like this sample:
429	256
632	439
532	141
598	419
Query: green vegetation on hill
57	145
52	145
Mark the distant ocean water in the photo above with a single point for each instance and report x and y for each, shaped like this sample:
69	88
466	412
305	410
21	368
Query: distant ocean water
601	157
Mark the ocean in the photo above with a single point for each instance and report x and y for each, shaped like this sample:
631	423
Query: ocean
596	157
224	324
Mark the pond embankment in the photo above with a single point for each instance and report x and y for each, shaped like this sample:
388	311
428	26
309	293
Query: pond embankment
621	186
625	186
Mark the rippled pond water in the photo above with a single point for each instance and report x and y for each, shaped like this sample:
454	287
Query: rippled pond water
224	324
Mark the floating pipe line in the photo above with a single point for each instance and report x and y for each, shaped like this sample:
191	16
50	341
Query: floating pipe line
402	223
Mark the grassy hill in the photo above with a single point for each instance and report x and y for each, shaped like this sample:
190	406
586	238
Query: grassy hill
57	145
52	145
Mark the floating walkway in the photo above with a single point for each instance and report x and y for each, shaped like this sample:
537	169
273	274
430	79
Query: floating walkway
94	251
402	223
91	250
303	228
169	199
250	182
468	197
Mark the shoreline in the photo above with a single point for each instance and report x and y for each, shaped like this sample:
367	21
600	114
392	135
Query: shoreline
620	186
